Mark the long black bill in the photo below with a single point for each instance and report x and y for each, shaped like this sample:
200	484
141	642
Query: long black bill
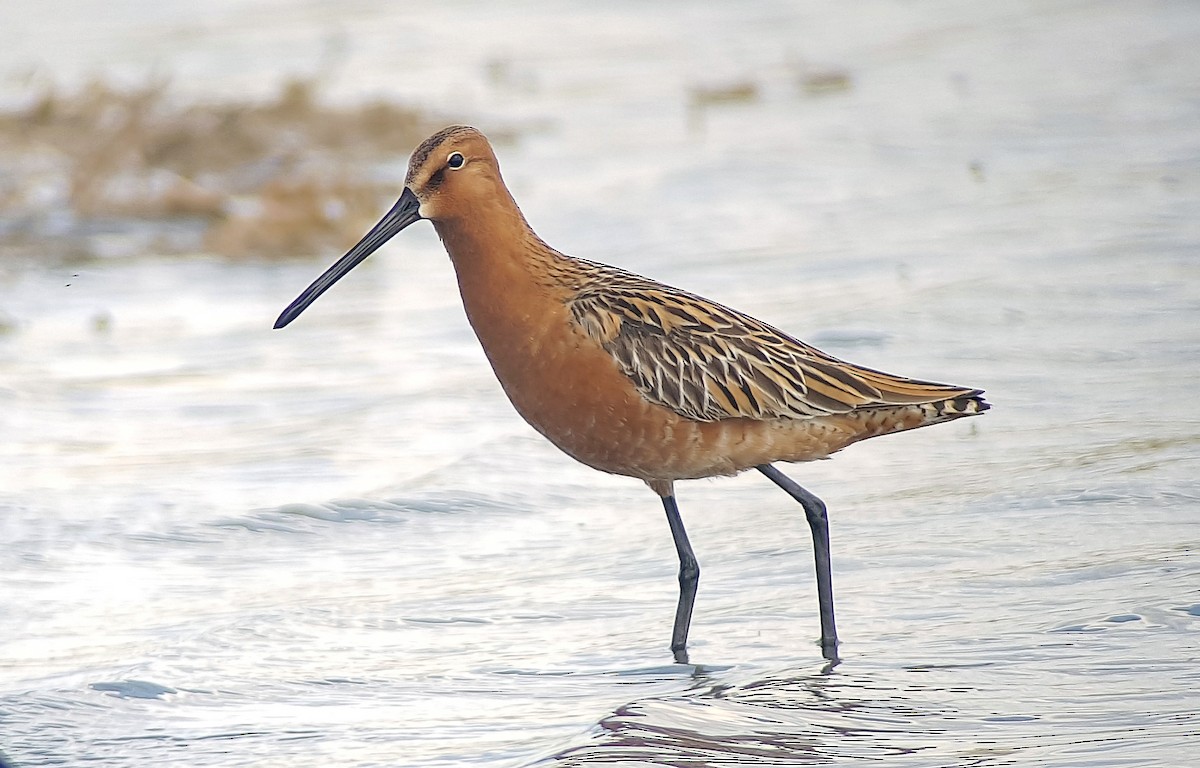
406	210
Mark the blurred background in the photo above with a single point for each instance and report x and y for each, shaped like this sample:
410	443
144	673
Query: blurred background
223	545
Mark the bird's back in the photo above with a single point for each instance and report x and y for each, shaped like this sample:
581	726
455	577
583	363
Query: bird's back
708	362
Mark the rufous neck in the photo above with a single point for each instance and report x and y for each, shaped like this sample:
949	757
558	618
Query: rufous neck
493	242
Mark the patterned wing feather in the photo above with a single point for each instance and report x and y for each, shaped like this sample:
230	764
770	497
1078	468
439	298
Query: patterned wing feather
708	362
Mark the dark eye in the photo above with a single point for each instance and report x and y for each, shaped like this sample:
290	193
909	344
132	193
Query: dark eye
455	160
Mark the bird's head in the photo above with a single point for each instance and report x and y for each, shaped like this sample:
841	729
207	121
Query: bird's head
450	176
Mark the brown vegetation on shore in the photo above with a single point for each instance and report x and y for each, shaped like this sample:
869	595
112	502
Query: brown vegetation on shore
287	176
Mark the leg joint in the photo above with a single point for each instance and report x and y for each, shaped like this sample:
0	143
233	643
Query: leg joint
814	510
689	571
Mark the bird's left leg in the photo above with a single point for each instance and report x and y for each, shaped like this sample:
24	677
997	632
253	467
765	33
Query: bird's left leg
818	521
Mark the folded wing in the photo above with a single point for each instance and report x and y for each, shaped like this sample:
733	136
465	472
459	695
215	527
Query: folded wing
708	362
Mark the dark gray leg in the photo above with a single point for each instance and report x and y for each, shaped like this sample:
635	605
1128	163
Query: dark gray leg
689	577
818	521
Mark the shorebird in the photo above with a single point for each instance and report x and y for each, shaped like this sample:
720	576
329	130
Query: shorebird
634	377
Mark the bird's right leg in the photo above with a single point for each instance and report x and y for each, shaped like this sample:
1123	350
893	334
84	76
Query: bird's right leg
689	578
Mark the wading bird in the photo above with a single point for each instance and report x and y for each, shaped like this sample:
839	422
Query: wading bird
634	377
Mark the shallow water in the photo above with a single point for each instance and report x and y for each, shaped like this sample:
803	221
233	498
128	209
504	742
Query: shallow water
225	545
